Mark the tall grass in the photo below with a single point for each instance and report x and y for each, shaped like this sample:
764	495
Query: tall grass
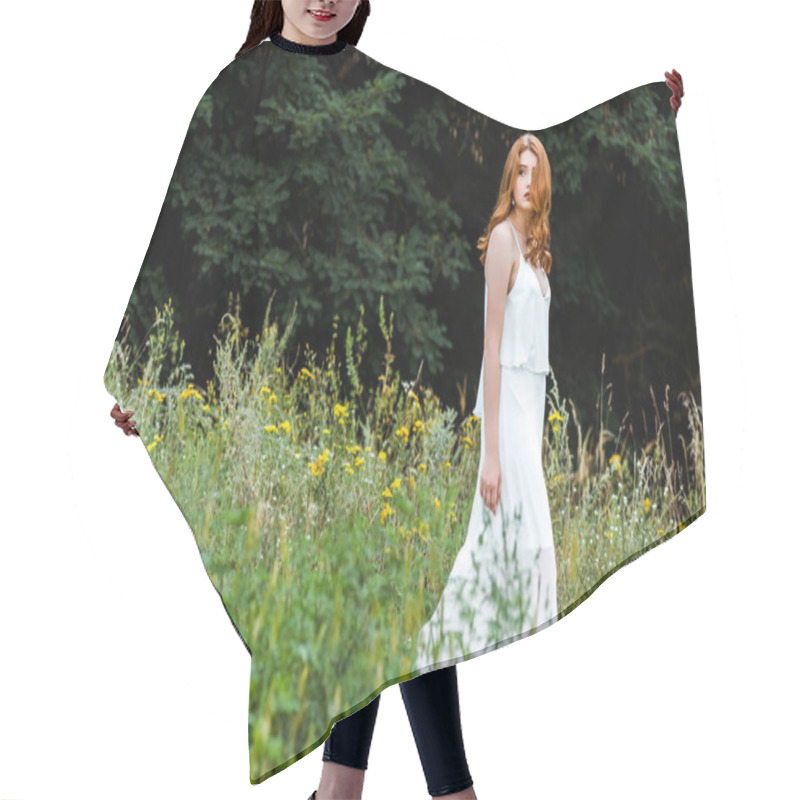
328	513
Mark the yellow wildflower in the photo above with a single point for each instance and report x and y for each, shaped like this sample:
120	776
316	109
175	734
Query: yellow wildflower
190	391
155	441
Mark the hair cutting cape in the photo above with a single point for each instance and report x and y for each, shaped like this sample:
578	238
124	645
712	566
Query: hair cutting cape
303	351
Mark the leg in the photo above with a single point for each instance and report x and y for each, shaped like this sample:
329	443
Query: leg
346	753
433	710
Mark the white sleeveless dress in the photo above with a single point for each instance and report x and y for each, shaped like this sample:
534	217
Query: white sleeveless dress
503	582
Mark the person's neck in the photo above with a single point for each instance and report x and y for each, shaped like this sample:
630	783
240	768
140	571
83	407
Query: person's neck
293	46
520	220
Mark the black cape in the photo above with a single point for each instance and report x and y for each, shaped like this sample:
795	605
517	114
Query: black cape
303	347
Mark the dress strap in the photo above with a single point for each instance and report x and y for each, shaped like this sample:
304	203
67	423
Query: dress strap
516	238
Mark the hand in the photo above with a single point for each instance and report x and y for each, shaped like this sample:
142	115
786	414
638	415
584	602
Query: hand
124	420
490	482
675	82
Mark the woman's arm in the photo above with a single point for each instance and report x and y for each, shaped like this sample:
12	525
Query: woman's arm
498	265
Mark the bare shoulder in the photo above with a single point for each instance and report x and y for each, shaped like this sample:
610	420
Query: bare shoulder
501	249
501	235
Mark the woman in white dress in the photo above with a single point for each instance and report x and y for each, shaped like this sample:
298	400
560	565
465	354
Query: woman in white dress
503	583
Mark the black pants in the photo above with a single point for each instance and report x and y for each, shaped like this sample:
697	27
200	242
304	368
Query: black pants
432	706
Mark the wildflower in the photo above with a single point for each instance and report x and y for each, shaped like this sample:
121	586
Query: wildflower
387	493
340	411
423	468
306	373
437	503
155	441
359	462
554	419
326	431
316	467
419	425
382	456
190	391
271	428
386	511
286	425
610	535
647	505
395	483
423	531
402	433
467	442
616	462
447	464
413	396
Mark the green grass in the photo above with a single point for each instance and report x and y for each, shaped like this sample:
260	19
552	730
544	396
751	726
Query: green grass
328	514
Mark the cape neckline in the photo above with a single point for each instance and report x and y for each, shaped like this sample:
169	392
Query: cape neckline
308	49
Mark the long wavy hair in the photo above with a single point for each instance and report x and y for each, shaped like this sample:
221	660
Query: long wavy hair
537	241
266	18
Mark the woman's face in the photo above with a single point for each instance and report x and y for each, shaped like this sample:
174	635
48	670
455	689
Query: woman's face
316	21
522	185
